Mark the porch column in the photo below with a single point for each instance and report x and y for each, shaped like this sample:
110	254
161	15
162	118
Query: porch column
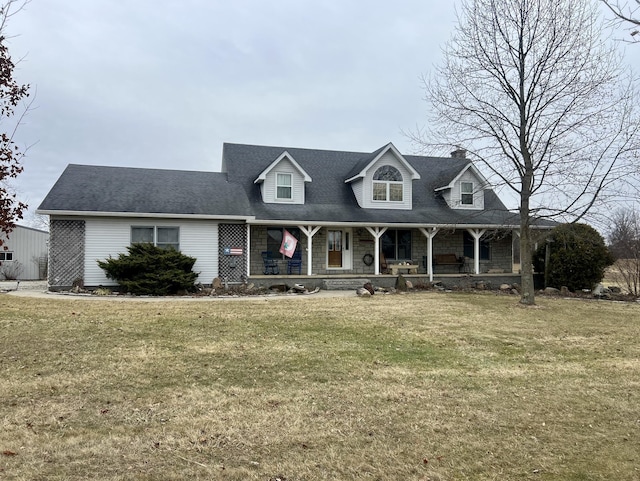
513	259
309	231
429	233
376	232
476	234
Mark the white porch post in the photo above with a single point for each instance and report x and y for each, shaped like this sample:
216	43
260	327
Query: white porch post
429	233
513	260
309	231
376	232
476	234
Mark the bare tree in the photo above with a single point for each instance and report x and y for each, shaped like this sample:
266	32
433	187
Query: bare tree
12	94
627	13
533	92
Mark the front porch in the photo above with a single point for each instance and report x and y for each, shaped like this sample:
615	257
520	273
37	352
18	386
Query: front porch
353	281
364	252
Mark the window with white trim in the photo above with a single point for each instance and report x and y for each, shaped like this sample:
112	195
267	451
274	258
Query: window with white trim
283	187
387	185
466	193
6	256
160	236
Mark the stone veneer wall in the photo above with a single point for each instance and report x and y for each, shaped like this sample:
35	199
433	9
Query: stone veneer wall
66	253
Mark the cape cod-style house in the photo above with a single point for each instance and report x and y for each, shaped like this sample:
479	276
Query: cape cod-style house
352	214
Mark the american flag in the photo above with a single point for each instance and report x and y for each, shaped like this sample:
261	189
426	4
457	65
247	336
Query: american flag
235	251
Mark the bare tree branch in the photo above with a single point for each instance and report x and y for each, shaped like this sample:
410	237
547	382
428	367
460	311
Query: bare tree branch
533	90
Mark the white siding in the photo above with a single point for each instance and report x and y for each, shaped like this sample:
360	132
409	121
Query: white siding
297	183
454	199
367	194
106	237
27	245
358	191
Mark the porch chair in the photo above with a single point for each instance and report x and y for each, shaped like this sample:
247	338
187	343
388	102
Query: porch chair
384	267
270	264
295	262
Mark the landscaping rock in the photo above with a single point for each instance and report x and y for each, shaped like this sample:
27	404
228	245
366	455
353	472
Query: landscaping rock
505	287
368	286
362	292
401	283
601	292
217	283
564	291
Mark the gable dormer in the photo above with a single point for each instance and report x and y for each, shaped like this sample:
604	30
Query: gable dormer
466	190
383	180
283	181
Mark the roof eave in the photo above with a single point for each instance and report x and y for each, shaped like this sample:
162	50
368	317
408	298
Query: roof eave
151	215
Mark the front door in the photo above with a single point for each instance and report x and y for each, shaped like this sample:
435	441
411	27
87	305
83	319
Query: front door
335	248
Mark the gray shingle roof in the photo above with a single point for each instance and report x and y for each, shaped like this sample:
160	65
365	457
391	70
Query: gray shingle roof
84	188
328	198
88	188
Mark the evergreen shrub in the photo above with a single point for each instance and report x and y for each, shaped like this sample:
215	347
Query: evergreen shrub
578	257
151	270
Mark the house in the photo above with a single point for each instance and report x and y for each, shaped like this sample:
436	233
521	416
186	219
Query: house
23	255
352	213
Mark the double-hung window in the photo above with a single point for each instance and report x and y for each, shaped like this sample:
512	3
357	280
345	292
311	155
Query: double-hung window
283	187
274	240
396	244
6	256
466	193
387	184
469	247
165	237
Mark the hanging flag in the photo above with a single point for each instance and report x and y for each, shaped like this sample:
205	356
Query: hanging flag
289	242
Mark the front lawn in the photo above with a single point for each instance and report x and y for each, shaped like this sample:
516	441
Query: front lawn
426	386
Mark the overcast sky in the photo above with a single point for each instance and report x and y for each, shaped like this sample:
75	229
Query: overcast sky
163	84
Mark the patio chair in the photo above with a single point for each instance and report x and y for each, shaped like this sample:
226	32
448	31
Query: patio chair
384	267
270	264
295	263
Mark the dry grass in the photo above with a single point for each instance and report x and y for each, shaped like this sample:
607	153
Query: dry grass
416	387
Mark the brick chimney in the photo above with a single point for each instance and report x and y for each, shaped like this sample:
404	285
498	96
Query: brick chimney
459	153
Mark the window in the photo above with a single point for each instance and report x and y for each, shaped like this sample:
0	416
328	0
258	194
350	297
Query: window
396	244
466	193
165	237
274	240
6	256
387	184
485	247
283	187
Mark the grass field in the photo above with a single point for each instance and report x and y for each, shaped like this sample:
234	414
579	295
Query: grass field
424	386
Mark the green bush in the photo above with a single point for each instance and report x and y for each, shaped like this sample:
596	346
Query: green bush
151	270
578	257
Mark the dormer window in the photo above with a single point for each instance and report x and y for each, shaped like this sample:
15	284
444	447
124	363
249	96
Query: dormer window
283	187
387	184
466	193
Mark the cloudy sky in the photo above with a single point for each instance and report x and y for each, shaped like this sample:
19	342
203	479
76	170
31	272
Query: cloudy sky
163	84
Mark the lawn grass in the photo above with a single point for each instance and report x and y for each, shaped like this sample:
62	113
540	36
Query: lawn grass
424	386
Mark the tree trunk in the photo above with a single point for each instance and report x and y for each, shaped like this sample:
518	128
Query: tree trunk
526	266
